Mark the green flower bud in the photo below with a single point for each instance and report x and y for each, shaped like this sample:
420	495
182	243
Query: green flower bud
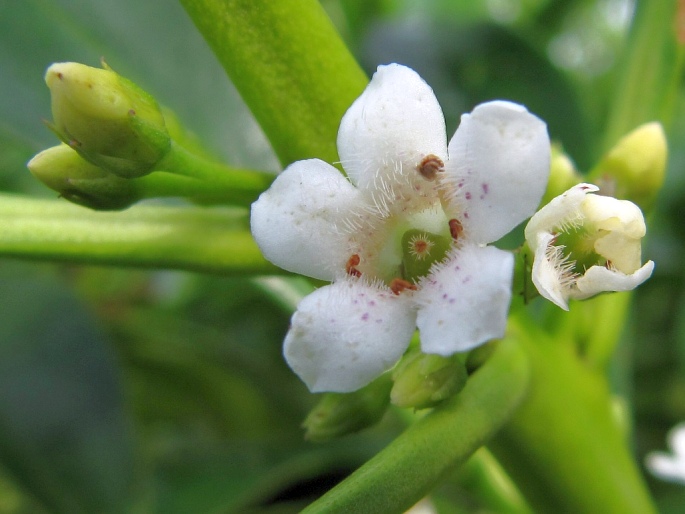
62	169
424	380
107	119
635	168
339	414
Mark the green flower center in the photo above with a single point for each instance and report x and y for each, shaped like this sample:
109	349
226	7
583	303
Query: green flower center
420	250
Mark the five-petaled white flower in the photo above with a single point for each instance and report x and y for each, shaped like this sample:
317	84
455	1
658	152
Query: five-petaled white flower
586	244
404	239
670	467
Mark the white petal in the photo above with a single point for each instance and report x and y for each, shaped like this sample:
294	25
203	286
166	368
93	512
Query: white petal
465	301
344	335
676	440
598	279
624	225
666	467
546	273
388	130
561	212
298	222
498	167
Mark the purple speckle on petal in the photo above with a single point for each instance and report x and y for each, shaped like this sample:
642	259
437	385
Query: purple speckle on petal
372	303
466	215
444	296
485	188
467	195
452	300
365	316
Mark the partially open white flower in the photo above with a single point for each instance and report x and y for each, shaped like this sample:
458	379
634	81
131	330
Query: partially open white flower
403	240
586	244
666	466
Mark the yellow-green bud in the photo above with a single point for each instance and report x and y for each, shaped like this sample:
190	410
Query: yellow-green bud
109	120
634	169
339	414
562	176
63	170
424	380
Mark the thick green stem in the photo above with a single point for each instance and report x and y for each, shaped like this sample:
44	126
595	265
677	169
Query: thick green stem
414	463
290	66
563	447
209	240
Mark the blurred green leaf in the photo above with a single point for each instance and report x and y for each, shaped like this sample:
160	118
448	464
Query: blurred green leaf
64	437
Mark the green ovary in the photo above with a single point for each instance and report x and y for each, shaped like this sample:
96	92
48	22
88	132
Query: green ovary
420	250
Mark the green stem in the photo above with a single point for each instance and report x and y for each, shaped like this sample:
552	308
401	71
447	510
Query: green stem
208	240
649	71
183	174
414	463
289	65
563	447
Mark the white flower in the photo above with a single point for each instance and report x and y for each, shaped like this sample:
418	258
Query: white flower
586	244
670	467
403	240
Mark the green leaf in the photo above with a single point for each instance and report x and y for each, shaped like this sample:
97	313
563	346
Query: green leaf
64	437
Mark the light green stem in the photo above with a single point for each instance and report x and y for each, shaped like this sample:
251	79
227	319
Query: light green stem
183	174
190	238
289	65
414	463
649	71
563	447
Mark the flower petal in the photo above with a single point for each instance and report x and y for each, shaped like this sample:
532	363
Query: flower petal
561	212
498	167
666	467
599	279
388	131
676	440
344	335
548	273
299	221
464	302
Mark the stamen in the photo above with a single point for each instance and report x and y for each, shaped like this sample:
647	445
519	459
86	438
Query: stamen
397	285
350	268
430	166
456	229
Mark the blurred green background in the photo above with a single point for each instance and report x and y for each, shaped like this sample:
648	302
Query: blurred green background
163	391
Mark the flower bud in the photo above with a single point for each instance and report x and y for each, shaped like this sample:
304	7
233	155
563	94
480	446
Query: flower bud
586	244
107	119
339	414
424	380
562	176
62	169
635	167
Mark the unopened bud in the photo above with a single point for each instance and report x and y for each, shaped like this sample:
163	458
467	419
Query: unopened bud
339	414
424	380
107	119
562	176
77	180
634	169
